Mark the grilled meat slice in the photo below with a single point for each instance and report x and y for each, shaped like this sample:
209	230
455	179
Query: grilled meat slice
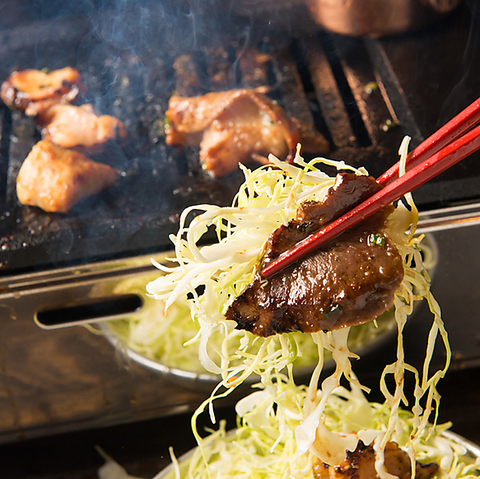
34	90
234	126
360	464
80	127
55	178
349	280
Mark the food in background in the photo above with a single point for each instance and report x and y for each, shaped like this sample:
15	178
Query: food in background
351	280
236	126
35	90
47	96
79	127
55	178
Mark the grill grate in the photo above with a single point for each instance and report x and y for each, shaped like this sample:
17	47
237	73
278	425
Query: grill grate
319	78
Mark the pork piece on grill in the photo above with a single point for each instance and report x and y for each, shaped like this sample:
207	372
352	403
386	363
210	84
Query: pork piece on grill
55	178
235	126
33	91
349	280
360	464
79	127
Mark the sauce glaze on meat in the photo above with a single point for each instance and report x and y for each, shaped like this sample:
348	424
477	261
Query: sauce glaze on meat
349	280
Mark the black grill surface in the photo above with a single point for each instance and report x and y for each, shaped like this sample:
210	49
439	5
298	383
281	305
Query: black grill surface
134	59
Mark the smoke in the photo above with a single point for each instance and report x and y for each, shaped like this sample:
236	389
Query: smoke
161	26
466	88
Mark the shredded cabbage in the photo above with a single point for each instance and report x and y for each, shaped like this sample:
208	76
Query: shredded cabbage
208	278
264	445
168	338
269	197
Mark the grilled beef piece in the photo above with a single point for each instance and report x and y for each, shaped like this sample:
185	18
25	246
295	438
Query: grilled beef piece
360	464
349	280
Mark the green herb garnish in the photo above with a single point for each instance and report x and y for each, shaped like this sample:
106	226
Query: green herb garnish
376	239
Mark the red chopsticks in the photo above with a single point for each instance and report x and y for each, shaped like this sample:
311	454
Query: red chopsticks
419	172
449	132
